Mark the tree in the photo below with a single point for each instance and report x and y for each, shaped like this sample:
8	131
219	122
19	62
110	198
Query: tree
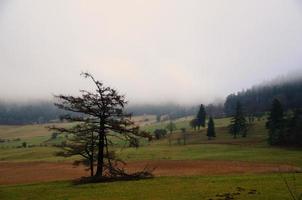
160	133
211	129
238	124
24	144
171	127
294	129
193	123
201	117
258	100
275	123
100	115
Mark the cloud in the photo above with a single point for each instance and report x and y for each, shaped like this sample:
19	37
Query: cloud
152	51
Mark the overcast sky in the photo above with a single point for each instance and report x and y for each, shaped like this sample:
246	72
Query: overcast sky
185	51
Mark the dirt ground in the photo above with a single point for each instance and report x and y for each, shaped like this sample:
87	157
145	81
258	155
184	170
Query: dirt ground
33	172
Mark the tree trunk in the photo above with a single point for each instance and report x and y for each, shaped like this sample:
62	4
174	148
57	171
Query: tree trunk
92	156
100	164
91	168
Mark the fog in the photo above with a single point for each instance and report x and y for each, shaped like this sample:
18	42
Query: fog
152	51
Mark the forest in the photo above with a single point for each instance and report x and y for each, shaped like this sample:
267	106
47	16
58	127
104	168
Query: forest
255	101
258	99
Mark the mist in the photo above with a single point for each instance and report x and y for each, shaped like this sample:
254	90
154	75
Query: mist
152	51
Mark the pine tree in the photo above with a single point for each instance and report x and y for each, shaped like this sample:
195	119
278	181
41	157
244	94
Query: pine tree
238	124
275	123
201	117
294	129
211	129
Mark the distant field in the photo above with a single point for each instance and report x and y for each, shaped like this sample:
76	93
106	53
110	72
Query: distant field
223	147
247	187
39	134
31	134
26	131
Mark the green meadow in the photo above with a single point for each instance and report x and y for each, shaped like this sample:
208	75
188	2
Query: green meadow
247	187
253	148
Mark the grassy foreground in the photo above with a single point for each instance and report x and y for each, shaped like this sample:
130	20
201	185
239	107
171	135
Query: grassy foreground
265	187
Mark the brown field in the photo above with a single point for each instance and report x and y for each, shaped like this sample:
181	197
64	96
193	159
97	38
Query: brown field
33	172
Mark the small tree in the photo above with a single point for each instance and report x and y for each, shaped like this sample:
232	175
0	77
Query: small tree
160	133
211	129
275	123
238	124
24	144
193	123
201	117
171	127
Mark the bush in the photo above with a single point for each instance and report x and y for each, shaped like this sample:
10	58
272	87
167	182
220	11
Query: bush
24	144
160	133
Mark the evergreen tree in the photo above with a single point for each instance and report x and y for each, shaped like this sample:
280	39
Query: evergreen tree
238	124
294	129
201	117
275	123
211	129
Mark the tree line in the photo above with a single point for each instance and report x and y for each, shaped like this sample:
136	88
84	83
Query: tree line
257	100
45	112
28	113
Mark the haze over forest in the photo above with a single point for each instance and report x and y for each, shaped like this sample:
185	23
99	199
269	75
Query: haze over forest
152	51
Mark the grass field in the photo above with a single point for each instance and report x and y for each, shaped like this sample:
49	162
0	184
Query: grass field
252	149
264	187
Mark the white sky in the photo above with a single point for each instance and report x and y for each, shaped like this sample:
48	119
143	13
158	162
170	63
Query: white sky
185	51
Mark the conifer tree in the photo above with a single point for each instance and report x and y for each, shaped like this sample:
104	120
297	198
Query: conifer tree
211	129
201	117
294	129
238	124
275	123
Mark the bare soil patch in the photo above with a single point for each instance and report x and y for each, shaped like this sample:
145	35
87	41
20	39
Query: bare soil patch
33	172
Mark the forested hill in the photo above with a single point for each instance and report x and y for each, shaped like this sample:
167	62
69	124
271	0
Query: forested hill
29	113
259	98
44	112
